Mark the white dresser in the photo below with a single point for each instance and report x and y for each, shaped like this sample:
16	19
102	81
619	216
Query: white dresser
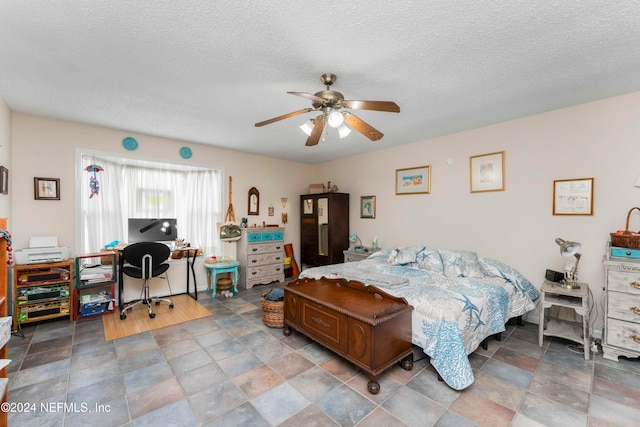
622	309
260	252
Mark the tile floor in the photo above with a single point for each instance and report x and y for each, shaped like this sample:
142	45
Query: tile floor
231	370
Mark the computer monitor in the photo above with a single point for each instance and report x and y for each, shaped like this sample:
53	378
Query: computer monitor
152	230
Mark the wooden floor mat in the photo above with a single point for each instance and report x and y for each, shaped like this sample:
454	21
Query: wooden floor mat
138	320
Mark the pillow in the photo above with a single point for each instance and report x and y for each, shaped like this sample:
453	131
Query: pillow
461	264
404	256
495	268
430	259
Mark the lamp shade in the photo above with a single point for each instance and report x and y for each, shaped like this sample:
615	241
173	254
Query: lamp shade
568	248
307	127
335	119
343	130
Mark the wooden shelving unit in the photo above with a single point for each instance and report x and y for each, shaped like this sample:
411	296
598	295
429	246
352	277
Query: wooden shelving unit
42	291
94	287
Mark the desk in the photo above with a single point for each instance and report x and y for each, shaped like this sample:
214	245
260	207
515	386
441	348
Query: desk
193	253
215	268
129	288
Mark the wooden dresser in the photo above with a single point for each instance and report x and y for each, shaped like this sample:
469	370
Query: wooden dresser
260	252
622	309
363	324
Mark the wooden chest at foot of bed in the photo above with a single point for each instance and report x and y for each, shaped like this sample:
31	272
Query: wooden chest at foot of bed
362	324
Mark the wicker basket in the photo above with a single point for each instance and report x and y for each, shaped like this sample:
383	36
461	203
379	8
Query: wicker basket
272	312
627	239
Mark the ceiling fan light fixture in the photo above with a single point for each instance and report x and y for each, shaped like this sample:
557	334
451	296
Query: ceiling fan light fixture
307	127
344	131
335	119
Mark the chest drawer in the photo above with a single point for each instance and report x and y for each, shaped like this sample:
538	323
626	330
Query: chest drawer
623	281
324	324
623	334
264	258
623	306
262	248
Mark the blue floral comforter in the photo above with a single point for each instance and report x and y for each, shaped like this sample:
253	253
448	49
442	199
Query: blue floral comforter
459	299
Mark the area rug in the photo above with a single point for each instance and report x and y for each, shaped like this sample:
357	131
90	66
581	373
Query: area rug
184	309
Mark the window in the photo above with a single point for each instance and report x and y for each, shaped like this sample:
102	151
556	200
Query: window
125	187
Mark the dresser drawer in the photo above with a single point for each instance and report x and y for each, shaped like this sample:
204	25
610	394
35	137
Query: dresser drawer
265	270
265	236
265	280
623	281
623	306
623	334
261	248
264	258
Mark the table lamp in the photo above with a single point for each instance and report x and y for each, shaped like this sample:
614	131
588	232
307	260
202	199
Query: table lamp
567	249
355	239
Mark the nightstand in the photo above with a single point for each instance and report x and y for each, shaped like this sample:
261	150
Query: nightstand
351	255
576	299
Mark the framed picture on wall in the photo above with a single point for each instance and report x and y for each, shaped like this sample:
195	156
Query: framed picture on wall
413	180
368	207
46	188
487	172
4	180
573	196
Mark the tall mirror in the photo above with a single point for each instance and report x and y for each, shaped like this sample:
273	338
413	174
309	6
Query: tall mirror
323	226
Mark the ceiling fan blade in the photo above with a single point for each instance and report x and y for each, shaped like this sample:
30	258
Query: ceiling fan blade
387	106
309	96
362	127
285	116
316	133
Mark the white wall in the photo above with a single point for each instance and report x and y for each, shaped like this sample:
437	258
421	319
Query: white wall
599	140
5	156
46	148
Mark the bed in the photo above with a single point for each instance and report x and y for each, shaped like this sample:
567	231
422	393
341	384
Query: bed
459	299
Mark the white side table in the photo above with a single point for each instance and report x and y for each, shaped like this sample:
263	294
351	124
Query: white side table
576	299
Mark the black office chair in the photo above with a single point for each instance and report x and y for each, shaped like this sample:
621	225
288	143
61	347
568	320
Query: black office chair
145	260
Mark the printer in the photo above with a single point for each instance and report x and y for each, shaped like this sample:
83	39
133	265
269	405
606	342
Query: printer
41	249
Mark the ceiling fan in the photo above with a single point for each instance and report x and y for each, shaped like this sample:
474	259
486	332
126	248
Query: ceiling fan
330	103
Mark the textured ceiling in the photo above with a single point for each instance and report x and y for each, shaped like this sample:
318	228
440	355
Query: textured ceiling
205	71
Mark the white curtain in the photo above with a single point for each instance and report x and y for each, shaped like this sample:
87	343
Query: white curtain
149	190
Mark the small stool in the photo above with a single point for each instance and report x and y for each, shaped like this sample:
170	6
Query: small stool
215	268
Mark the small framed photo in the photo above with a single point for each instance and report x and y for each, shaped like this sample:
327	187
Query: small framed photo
573	196
368	207
4	180
413	180
46	188
487	172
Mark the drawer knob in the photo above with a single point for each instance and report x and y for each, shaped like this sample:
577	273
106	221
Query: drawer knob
253	273
254	249
254	261
636	310
635	338
635	285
